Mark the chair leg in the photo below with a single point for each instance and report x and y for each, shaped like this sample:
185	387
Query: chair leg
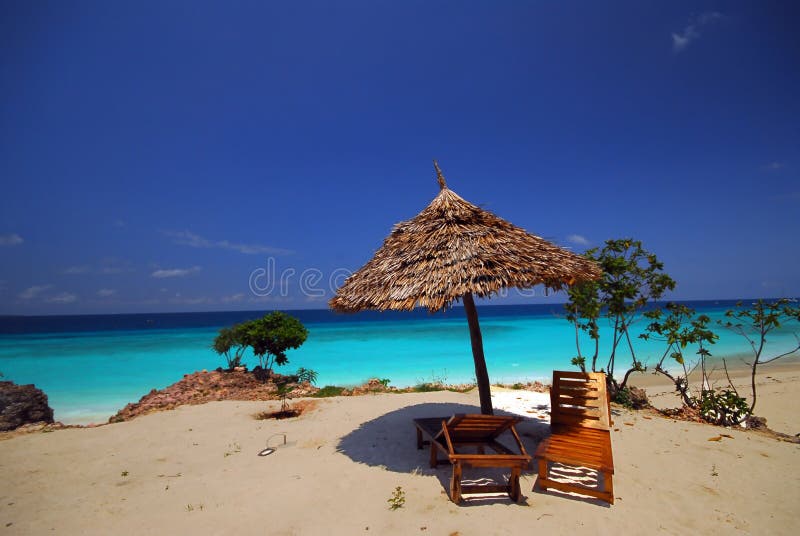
513	485
419	439
455	483
434	460
542	473
609	486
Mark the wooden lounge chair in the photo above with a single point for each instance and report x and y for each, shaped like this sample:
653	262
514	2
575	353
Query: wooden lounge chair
581	425
477	431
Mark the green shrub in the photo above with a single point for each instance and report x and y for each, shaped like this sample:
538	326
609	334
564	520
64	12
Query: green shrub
623	398
329	390
463	389
427	387
722	406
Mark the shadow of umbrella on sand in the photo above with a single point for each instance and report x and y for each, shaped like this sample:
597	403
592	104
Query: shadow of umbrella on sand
387	440
451	251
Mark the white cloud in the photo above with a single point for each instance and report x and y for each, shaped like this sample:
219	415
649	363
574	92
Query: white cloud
269	299
63	297
187	238
234	298
112	265
175	272
107	266
11	239
32	292
179	300
578	239
106	292
774	166
681	40
709	16
77	270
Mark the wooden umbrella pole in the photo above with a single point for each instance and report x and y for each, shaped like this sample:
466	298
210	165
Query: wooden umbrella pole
481	374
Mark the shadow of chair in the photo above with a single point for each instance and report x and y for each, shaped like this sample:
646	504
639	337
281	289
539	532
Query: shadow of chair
388	442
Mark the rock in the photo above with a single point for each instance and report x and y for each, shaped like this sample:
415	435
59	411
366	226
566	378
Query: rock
756	423
202	387
373	385
21	405
639	398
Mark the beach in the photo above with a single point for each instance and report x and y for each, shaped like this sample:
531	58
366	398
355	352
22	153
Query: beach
196	470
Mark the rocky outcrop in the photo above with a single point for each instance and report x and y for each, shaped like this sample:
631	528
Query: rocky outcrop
373	385
202	387
21	405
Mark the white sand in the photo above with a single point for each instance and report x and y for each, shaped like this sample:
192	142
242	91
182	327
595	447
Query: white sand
528	404
195	470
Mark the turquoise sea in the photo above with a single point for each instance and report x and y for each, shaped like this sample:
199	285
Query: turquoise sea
91	366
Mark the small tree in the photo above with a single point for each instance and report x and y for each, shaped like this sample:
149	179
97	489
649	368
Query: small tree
271	336
632	278
288	384
679	329
306	375
231	343
754	324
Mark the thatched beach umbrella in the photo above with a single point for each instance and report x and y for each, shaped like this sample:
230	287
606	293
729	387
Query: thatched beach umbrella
453	250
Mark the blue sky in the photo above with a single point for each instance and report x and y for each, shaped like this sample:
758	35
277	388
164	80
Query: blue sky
154	156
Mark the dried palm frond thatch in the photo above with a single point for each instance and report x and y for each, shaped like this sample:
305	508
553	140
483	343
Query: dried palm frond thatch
450	251
451	248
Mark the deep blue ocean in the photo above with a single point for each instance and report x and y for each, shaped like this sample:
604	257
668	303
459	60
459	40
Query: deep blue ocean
91	366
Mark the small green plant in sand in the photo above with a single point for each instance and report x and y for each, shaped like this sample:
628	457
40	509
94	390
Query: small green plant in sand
714	470
124	474
385	382
235	447
287	384
398	498
283	392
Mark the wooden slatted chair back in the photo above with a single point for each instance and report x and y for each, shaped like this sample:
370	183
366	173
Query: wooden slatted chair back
477	428
579	399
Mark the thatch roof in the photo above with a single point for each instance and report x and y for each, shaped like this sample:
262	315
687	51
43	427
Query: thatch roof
453	247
